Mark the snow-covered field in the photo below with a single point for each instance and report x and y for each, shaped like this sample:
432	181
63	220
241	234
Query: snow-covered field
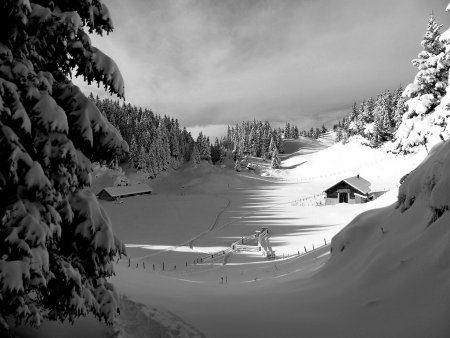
383	280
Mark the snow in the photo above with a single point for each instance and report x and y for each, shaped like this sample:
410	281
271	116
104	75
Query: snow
93	220
109	71
143	321
50	114
42	14
387	261
419	105
35	177
12	274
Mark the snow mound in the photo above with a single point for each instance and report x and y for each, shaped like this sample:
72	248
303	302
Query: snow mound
397	257
138	320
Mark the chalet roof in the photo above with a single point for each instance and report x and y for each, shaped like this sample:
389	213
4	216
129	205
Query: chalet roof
127	190
356	182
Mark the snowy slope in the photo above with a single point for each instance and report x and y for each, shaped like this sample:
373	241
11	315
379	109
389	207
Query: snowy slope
387	275
339	161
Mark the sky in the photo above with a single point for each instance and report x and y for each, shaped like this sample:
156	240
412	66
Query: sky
214	63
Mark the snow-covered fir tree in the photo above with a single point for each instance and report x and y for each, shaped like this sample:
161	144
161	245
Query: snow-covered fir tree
204	147
272	145
422	124
169	146
57	244
382	130
195	155
375	120
275	159
254	138
134	153
142	159
237	165
431	76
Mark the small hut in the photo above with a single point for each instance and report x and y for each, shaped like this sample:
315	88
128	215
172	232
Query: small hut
350	190
115	193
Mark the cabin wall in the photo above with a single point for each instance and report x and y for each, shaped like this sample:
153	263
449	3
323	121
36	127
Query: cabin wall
342	188
331	201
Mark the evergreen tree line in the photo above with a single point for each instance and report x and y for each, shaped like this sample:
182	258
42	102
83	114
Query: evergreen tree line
204	150
313	132
255	138
408	117
291	131
156	142
375	119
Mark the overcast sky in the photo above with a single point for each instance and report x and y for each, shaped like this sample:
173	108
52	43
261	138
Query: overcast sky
302	61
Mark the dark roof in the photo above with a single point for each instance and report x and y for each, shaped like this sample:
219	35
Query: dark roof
127	190
356	182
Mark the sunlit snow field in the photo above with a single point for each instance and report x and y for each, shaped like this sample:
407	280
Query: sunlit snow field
199	211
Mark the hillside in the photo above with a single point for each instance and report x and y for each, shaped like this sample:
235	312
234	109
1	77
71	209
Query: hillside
378	268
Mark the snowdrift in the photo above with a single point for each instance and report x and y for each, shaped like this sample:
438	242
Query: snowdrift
395	261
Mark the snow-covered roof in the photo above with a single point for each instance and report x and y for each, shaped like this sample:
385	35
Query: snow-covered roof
127	190
357	182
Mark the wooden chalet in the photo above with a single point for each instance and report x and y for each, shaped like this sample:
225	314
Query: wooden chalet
115	193
350	190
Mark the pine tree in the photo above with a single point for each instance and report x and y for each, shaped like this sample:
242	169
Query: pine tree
57	244
215	152
142	160
287	130
134	154
237	165
272	145
425	93
399	110
353	118
295	132
430	82
223	154
245	141
368	111
195	155
338	134
253	141
275	159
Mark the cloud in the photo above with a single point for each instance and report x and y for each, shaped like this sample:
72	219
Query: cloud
219	62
